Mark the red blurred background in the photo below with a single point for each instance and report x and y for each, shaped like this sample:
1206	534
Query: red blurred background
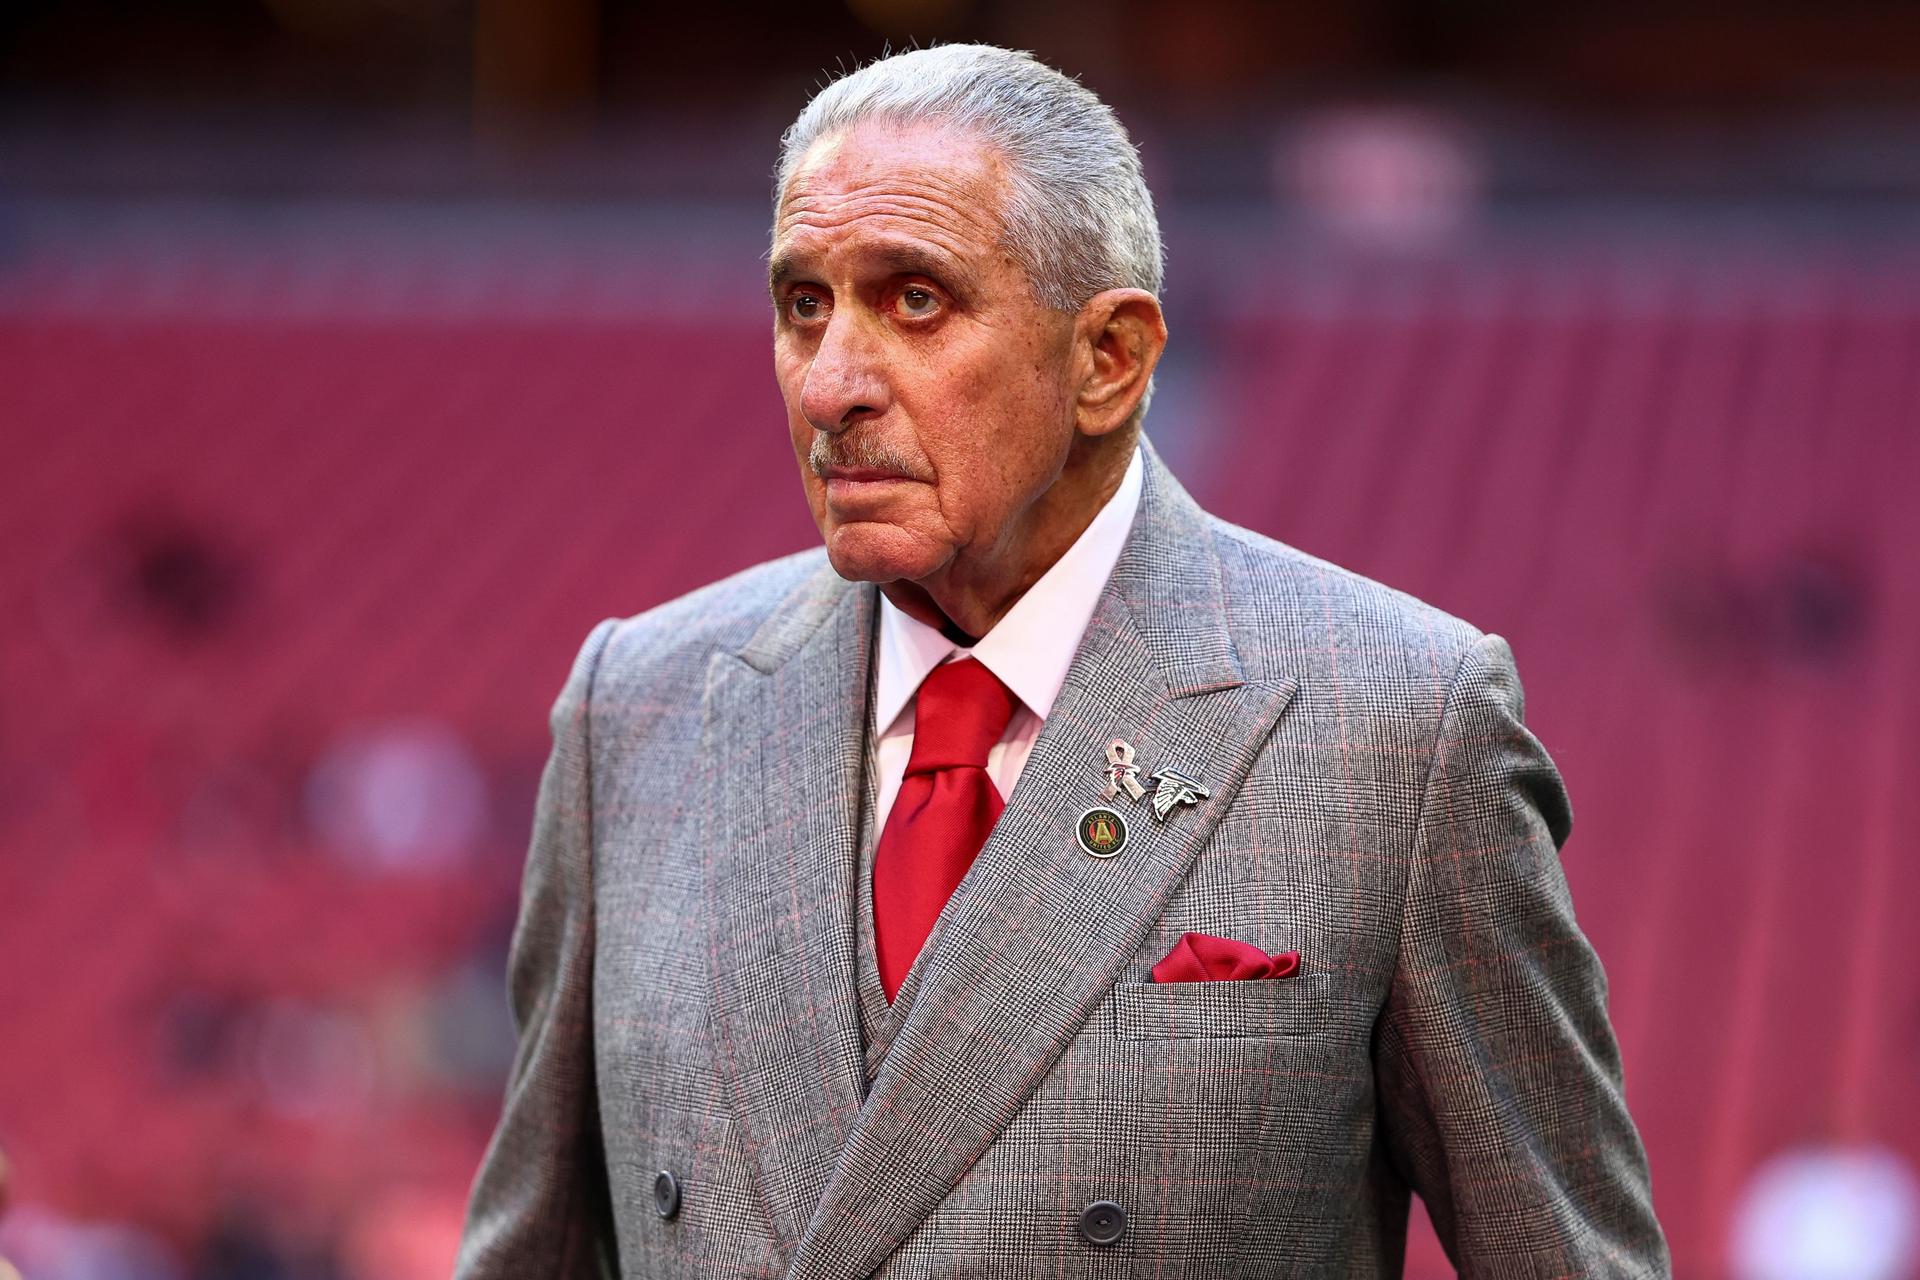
356	356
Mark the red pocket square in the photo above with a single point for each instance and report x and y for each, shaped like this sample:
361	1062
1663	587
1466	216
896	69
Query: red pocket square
1201	957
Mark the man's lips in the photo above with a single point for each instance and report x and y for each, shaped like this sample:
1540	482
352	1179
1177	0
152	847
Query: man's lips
859	493
862	475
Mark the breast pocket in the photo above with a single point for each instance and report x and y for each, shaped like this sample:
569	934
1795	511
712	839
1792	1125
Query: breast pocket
1252	1007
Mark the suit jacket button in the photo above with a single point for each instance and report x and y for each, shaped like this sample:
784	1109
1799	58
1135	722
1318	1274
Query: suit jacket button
666	1194
1103	1222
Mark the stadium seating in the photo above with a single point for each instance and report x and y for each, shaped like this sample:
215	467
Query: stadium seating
1682	484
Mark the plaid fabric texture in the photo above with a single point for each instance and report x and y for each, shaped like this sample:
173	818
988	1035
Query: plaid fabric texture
683	973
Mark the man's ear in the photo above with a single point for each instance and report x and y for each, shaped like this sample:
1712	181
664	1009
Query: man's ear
1119	335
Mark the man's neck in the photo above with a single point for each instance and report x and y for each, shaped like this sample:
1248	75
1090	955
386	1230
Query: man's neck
965	599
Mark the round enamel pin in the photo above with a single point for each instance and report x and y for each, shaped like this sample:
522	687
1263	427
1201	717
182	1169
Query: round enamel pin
1102	832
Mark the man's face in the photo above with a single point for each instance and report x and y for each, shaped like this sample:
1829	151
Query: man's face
928	392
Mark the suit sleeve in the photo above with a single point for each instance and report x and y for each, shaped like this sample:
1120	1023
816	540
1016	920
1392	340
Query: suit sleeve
1499	1078
539	1201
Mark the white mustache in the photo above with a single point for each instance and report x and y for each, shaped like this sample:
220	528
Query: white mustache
859	453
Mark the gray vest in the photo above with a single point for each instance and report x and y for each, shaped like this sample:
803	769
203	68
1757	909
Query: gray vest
879	1020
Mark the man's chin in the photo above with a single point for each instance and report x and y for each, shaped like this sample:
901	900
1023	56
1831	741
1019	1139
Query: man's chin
869	551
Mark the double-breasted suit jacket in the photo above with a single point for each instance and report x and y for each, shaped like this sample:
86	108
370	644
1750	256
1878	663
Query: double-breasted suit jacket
689	1096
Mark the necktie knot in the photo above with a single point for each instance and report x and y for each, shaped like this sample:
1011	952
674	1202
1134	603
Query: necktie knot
960	712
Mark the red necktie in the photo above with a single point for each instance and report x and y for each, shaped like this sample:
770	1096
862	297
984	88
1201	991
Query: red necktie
945	810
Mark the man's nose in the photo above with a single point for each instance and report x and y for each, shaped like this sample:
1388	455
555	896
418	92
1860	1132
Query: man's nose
846	381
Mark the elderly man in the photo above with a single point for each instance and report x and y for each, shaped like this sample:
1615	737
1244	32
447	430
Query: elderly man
1049	878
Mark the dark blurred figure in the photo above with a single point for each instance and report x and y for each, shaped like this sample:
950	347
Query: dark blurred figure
243	1247
6	1268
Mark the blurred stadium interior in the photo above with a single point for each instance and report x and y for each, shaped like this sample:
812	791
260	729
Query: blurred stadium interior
356	358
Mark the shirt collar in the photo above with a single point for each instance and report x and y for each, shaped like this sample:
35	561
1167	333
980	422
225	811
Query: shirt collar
1031	647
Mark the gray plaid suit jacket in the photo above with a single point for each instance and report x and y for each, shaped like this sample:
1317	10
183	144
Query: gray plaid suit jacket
683	977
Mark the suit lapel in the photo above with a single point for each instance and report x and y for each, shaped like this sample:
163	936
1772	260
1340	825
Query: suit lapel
785	734
1041	931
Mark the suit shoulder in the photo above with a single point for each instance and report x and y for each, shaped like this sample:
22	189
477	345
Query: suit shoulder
675	639
1289	607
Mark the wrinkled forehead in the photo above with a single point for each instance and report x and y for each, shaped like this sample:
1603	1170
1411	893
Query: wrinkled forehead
895	184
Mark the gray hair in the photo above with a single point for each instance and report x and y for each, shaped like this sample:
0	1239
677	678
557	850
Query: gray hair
1078	217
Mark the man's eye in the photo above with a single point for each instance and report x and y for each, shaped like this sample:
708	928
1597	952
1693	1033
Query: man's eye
804	306
918	302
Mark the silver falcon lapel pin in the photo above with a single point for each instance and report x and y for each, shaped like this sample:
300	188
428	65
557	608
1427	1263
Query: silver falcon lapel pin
1171	789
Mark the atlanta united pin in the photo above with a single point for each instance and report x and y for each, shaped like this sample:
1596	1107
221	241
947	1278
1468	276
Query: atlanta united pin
1102	832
